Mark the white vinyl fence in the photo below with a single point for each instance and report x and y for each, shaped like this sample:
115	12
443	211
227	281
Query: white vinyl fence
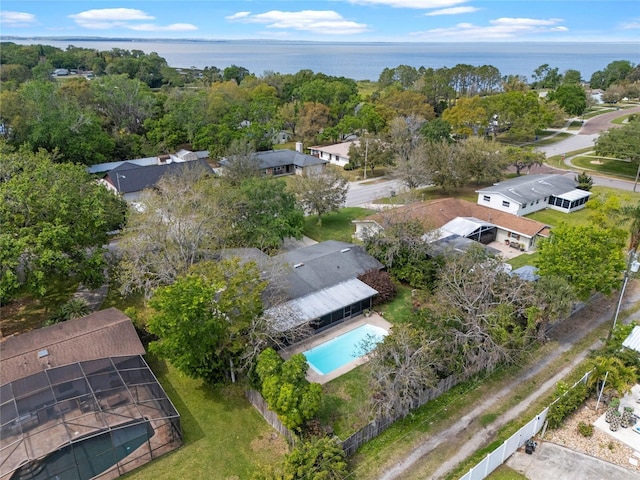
500	455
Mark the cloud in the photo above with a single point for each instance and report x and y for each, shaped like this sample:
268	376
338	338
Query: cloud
452	11
500	28
324	22
107	18
416	4
631	25
17	19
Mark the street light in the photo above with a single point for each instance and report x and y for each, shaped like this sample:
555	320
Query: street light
632	266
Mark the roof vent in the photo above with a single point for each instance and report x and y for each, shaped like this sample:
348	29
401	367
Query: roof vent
344	250
298	265
43	353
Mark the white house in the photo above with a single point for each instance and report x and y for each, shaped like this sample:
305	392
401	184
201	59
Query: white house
337	154
530	193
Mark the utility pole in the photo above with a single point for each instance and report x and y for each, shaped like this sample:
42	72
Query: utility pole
366	151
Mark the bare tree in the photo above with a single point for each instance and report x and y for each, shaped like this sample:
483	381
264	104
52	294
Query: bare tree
401	367
241	163
173	226
321	193
410	152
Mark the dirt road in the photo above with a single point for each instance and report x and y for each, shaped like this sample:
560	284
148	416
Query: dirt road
569	332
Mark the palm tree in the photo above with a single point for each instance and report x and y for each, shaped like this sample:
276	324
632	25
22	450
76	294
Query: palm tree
620	377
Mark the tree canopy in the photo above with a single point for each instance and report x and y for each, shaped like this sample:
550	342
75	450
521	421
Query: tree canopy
204	318
588	257
54	221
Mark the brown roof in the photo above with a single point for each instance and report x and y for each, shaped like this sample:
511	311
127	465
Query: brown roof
436	213
103	334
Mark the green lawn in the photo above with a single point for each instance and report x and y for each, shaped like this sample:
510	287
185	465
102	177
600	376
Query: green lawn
524	259
610	166
506	473
224	436
335	225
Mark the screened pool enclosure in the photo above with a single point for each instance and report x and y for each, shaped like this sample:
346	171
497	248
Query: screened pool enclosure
95	418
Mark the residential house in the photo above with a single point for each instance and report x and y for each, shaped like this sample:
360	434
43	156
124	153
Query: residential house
452	217
178	157
337	154
79	401
529	193
286	162
130	180
320	284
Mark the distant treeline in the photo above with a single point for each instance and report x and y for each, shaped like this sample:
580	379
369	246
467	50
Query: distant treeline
136	105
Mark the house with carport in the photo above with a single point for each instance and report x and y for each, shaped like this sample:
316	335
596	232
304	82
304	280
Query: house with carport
449	218
530	193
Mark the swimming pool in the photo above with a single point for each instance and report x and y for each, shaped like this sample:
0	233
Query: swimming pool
346	348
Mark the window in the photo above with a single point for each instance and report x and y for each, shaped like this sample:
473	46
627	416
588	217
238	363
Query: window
486	198
505	203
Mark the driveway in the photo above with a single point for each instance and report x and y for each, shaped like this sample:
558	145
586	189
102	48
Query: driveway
553	462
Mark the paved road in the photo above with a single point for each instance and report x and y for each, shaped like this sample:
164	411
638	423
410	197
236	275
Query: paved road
367	191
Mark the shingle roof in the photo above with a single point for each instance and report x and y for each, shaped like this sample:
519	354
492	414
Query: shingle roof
436	213
528	188
103	334
280	158
324	265
129	177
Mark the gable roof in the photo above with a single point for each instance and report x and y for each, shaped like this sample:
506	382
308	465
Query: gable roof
281	158
529	188
103	334
325	265
437	213
339	149
129	177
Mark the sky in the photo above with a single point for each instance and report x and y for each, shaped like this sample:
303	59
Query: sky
329	20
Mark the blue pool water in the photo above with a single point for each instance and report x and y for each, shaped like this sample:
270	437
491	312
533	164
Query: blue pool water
339	351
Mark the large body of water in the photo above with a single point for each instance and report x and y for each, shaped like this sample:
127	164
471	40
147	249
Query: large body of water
365	61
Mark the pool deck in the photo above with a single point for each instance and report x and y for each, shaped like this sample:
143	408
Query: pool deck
320	338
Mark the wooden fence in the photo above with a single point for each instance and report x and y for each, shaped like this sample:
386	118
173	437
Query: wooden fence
272	419
379	425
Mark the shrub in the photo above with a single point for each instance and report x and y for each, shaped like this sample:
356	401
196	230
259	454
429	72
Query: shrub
383	283
349	166
585	430
567	403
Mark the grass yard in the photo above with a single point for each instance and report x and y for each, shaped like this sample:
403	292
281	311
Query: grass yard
224	436
524	259
335	225
555	137
620	168
506	473
344	402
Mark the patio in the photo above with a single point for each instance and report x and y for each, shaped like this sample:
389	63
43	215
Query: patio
629	436
506	251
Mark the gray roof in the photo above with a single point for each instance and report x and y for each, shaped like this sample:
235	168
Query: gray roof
281	158
323	302
105	167
324	265
526	272
529	188
129	177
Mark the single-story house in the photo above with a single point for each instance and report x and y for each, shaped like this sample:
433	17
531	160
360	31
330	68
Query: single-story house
448	217
130	179
79	401
319	284
529	193
286	162
337	154
178	157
